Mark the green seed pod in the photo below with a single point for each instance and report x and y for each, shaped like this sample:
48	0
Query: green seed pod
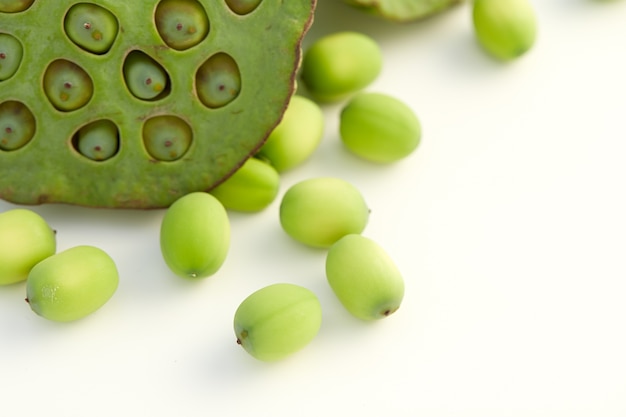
98	140
506	29
243	7
253	187
364	278
91	27
338	65
145	78
379	128
195	235
320	211
25	240
72	284
17	125
182	24
297	135
67	86
167	138
11	52
277	321
15	6
218	81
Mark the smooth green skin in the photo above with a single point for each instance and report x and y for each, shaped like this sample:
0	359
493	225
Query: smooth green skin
25	240
403	10
167	138
195	235
320	211
218	81
11	52
91	27
338	65
145	78
506	29
251	188
181	23
99	140
72	284
49	170
297	135
379	128
364	278
277	321
67	86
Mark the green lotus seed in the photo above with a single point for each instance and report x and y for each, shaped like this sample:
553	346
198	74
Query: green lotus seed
25	240
337	65
218	81
11	52
195	235
506	29
91	27
297	135
243	7
167	138
253	187
364	278
379	128
182	24
98	140
14	6
72	284
146	79
320	211
67	86
277	321
17	125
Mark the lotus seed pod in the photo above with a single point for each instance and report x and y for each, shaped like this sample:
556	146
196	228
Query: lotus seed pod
25	240
277	321
297	135
338	65
251	188
91	27
17	125
67	86
181	23
506	29
145	78
11	52
320	211
379	128
195	235
98	140
72	284
243	7
223	94
403	10
364	278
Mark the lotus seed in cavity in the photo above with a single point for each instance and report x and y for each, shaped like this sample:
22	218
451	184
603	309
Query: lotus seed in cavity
15	6
181	24
99	140
17	125
167	138
67	86
146	79
11	52
243	7
218	81
91	27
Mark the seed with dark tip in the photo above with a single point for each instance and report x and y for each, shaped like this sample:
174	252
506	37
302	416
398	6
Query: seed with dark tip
98	140
173	16
145	78
67	86
218	81
11	52
91	27
166	138
18	124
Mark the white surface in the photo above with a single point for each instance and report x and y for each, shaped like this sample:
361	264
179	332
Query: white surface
508	224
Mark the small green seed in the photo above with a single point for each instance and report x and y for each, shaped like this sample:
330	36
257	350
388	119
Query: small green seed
182	24
15	6
146	79
67	86
98	140
243	7
91	27
167	138
11	52
218	81
17	125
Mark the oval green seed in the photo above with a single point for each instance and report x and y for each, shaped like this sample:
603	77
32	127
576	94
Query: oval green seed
72	284
364	278
15	6
25	240
17	125
277	321
506	29
296	137
145	78
379	128
167	138
337	65
195	235
182	24
320	211
11	52
91	27
67	86
243	7
218	80
253	187
98	140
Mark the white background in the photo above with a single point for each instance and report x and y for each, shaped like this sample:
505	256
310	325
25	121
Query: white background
508	223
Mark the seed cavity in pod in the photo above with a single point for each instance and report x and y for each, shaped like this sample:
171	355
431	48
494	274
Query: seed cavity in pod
67	86
91	27
181	24
145	78
15	6
17	125
11	52
243	7
98	141
166	138
218	80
